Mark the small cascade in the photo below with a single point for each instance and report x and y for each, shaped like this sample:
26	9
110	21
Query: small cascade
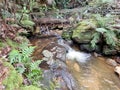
73	54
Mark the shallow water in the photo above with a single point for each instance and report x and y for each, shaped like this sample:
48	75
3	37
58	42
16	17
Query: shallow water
95	74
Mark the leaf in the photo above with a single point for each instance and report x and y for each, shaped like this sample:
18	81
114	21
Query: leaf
101	30
110	38
14	56
27	23
20	69
95	39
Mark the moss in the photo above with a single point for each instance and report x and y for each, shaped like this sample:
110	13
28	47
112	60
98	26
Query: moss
84	26
31	87
13	79
67	34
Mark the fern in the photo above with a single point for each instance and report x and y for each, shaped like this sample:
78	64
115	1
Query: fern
22	54
102	21
110	38
12	43
26	53
15	56
35	73
94	41
101	30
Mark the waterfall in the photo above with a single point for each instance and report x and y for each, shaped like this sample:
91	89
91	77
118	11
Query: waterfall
73	54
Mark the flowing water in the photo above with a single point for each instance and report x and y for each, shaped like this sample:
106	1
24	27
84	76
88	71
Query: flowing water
89	72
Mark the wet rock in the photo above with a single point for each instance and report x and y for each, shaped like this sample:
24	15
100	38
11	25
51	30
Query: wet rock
40	44
47	54
89	48
61	77
117	60
54	52
111	62
58	51
54	65
117	70
96	54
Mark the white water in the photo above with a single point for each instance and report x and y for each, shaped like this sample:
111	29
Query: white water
78	56
73	54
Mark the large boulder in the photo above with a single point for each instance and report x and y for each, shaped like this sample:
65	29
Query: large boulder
84	31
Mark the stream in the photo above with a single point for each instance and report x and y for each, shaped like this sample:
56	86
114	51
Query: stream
92	73
95	74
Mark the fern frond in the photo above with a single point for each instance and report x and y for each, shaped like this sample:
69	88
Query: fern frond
110	38
27	52
101	30
15	56
94	41
11	43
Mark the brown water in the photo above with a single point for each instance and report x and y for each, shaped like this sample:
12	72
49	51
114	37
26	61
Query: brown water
94	75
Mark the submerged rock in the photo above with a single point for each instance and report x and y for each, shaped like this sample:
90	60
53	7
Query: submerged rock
61	77
111	62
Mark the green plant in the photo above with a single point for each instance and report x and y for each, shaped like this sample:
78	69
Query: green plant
25	19
110	38
34	73
96	38
22	54
53	86
104	30
63	3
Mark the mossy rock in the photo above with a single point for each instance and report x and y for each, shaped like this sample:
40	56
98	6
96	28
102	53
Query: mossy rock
84	31
13	80
31	87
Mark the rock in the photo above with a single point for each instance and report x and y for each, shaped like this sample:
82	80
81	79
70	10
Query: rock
117	70
47	53
54	52
58	51
109	51
48	56
84	31
61	77
89	48
117	60
96	54
111	62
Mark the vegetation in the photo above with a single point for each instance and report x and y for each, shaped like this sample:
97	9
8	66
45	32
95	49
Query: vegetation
106	32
